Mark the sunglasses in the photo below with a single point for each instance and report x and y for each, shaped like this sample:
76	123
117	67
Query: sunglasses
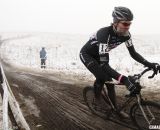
126	24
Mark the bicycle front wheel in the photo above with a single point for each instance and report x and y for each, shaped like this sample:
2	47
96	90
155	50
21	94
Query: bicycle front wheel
146	116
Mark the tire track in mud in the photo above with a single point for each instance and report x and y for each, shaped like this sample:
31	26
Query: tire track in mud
61	105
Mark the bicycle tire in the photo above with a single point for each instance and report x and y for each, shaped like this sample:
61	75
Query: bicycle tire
135	114
90	89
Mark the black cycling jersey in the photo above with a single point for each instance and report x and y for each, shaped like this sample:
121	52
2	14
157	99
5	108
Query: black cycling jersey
95	56
103	41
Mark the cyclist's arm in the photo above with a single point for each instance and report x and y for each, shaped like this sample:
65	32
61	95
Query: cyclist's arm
134	54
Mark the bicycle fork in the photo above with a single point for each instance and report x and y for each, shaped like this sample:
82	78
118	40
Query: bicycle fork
144	114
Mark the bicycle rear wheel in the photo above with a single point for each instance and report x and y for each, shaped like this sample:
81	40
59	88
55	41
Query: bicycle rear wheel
98	107
152	112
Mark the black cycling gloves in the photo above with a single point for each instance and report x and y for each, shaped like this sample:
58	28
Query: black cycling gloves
154	66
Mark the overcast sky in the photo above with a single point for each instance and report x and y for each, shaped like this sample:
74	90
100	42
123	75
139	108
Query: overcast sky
75	16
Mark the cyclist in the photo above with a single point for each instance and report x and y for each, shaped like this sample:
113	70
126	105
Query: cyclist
95	53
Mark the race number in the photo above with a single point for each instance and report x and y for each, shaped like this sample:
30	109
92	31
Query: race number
103	48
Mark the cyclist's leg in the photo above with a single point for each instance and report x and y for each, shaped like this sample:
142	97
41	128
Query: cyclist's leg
98	85
96	70
94	67
111	88
112	93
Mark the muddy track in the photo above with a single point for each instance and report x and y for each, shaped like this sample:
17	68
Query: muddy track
60	106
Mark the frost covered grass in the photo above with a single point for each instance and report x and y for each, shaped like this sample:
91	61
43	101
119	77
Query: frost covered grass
22	49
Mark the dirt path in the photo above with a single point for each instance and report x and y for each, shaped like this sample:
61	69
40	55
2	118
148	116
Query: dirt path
48	104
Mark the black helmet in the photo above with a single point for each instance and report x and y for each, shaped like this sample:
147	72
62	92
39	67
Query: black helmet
122	14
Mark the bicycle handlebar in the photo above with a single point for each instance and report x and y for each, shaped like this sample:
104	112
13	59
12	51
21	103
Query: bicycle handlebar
143	72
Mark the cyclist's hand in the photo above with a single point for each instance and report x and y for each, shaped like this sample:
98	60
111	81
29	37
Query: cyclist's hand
154	66
134	83
129	84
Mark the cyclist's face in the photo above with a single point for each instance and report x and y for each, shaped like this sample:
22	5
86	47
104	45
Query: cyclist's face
123	26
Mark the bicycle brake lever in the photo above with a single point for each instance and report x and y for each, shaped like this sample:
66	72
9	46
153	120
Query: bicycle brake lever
152	76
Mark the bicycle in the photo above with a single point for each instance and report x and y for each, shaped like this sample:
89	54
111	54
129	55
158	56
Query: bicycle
143	113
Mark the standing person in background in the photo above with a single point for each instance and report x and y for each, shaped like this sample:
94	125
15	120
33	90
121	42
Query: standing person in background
43	57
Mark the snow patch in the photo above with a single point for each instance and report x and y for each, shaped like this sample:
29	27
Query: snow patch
30	104
63	54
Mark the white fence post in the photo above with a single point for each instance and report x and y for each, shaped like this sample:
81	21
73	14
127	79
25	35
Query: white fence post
5	107
9	98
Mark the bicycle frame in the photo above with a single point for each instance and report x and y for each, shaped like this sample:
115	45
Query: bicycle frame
139	109
139	100
126	103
